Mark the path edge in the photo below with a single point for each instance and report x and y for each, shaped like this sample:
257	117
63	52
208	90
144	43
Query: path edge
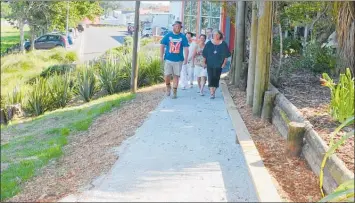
262	181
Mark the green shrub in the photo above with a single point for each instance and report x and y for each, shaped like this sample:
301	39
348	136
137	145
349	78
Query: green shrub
39	98
71	56
128	41
342	95
15	97
60	90
150	71
86	83
109	75
56	69
290	46
318	59
146	41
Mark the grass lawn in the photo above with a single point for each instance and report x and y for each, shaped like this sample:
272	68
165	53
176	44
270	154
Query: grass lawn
35	142
10	36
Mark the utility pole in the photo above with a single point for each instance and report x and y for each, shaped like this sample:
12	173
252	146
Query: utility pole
134	75
67	27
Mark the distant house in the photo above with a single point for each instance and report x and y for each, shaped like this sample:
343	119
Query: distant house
199	15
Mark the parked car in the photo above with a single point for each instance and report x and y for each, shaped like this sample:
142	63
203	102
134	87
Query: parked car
48	41
146	32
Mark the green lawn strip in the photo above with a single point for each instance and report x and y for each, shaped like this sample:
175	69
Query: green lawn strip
11	36
44	137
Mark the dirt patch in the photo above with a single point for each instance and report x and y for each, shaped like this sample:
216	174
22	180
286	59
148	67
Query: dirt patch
295	180
90	154
303	89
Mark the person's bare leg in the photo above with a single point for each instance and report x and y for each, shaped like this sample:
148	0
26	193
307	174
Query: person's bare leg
168	85
199	82
175	85
203	82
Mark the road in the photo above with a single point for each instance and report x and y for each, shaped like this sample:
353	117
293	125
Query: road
97	40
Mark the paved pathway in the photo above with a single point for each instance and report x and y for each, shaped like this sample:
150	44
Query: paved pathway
185	151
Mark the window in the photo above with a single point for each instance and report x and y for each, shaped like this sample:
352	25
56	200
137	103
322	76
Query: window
53	38
190	15
210	15
42	39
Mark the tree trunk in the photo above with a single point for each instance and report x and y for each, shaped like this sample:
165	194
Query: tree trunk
295	137
33	37
263	55
252	55
244	75
268	105
240	42
233	78
286	34
277	74
295	32
22	36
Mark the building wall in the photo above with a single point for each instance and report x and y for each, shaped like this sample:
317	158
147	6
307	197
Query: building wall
175	9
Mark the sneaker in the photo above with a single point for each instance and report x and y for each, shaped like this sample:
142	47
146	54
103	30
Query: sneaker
174	93
202	94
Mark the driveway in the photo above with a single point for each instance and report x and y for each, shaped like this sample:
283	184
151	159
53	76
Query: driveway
97	40
185	151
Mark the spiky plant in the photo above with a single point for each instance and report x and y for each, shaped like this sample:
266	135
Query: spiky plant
109	75
60	89
39	98
86	83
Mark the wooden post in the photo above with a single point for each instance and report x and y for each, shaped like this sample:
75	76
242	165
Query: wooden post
268	105
134	75
263	55
252	54
240	41
233	79
295	137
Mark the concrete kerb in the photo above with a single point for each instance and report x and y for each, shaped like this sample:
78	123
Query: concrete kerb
264	187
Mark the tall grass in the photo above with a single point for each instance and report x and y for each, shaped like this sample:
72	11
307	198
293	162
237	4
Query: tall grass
15	97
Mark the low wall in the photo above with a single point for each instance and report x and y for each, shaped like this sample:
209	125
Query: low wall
314	148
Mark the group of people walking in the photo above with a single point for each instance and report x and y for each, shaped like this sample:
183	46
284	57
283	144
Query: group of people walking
186	60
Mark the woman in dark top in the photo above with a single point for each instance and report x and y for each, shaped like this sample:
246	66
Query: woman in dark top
215	53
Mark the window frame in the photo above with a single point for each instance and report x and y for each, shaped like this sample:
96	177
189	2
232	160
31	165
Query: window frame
209	15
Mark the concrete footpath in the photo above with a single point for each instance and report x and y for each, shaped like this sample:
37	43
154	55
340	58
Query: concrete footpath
185	151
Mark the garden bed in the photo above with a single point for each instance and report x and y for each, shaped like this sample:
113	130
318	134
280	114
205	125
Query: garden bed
295	180
302	88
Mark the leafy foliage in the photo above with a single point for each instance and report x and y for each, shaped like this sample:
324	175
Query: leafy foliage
290	46
345	192
318	59
342	95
